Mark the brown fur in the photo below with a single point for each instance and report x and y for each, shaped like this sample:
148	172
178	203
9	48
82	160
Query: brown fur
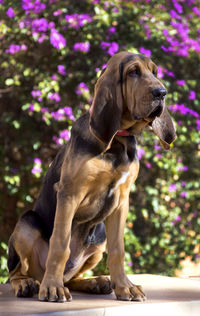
93	186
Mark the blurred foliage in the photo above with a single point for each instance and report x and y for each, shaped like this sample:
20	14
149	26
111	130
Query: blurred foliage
51	54
3	262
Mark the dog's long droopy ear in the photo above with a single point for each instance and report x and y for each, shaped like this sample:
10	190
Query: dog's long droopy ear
164	128
106	109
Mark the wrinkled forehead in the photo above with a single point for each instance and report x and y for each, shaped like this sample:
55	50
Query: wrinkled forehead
124	60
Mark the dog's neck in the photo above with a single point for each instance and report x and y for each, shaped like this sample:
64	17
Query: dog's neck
86	143
123	132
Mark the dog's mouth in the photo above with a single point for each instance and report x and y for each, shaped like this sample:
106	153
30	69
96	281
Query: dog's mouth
157	111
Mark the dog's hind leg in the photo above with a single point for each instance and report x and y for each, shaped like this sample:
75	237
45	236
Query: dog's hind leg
27	256
94	285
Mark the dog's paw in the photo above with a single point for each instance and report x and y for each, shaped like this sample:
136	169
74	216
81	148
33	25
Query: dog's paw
54	293
97	285
103	285
26	287
133	293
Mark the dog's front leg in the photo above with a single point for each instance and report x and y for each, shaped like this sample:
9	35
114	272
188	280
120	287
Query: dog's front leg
124	289
52	287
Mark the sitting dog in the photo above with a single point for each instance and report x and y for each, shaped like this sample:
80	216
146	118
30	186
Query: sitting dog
84	200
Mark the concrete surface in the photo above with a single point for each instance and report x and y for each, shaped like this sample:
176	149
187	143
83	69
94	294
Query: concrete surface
166	296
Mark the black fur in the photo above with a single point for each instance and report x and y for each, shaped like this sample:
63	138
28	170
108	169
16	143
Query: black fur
13	258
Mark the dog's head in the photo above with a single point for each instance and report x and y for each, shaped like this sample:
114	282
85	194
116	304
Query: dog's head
128	95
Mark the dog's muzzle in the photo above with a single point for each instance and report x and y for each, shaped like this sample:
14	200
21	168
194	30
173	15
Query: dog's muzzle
156	112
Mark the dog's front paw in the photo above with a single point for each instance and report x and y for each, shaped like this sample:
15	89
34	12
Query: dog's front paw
132	293
53	292
125	290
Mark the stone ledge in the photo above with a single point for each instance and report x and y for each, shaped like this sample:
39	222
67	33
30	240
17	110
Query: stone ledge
165	296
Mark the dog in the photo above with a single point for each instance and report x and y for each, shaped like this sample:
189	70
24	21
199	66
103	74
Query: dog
83	204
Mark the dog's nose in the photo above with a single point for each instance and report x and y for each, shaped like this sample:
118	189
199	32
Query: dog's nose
159	92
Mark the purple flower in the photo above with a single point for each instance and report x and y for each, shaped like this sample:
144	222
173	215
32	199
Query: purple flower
33	5
61	69
183	194
58	12
140	153
114	47
54	96
165	49
172	188
174	15
36	170
63	136
69	113
165	32
31	107
58	115
115	10
13	49
183	110
57	40
195	214
157	147
147	31
41	38
11	13
83	47
36	93
148	165
40	25
37	161
144	51
82	87
44	110
180	82
196	11
112	30
77	20
178	218
23	47
198	125
192	95
169	73
158	155
177	6
104	45
54	77
61	114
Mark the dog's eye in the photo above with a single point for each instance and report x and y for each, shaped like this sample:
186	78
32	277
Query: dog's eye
134	73
154	73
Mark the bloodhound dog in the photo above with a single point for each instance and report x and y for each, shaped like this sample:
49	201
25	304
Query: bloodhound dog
84	200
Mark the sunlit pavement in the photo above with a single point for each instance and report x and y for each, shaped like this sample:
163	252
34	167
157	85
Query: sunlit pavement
165	296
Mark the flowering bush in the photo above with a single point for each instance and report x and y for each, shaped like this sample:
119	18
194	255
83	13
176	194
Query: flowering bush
51	55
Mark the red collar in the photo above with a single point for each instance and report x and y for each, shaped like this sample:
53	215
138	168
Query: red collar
122	132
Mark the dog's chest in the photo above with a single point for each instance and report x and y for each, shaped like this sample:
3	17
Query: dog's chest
106	189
